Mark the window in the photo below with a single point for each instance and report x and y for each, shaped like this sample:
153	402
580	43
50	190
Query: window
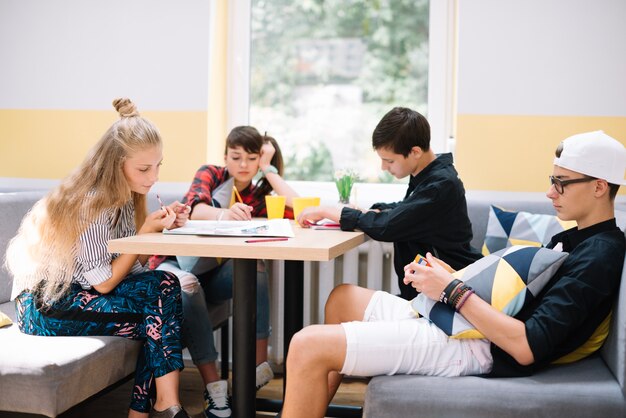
323	73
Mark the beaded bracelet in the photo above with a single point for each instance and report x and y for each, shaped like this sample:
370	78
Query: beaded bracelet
458	295
465	297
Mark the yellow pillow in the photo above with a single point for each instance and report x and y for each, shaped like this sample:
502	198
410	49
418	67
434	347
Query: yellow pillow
4	320
590	346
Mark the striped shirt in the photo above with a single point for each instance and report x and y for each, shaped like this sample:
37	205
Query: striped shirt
92	265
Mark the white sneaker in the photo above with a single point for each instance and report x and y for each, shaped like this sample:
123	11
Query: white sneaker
264	374
216	400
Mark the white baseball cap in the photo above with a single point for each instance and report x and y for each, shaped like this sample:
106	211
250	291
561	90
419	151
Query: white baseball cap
594	154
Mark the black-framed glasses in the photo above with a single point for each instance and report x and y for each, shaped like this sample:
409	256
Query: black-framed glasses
559	184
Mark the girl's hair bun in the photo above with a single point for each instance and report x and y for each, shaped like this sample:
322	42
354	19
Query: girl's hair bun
125	107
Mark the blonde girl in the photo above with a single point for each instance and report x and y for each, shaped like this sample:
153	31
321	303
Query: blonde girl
67	283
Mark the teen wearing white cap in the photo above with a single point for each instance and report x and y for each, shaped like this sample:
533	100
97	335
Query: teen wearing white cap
558	325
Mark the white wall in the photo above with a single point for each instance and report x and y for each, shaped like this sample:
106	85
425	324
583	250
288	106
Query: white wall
542	57
80	54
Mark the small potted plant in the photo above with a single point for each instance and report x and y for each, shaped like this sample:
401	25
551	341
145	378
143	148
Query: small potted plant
344	180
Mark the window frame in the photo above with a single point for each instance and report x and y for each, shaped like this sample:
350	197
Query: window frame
441	70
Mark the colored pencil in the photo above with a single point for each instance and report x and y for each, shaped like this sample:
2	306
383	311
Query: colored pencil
237	194
251	241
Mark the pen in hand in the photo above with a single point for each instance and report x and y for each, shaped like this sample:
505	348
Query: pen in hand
250	241
160	202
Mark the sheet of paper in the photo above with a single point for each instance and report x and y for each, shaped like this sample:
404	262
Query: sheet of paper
254	228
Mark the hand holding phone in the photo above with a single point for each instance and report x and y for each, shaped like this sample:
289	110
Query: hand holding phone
419	259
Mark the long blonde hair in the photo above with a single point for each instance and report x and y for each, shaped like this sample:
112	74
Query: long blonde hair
42	255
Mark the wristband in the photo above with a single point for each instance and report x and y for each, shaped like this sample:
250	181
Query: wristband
269	169
447	292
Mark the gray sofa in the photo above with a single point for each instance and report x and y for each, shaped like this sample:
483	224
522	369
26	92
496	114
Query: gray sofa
593	387
48	375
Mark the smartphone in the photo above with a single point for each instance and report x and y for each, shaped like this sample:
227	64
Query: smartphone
419	259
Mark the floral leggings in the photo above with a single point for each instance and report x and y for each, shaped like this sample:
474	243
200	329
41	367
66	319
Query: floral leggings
144	306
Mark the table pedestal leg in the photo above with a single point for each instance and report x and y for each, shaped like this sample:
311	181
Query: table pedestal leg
244	338
294	293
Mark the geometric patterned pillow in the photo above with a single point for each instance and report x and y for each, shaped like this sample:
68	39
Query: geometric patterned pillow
507	279
506	228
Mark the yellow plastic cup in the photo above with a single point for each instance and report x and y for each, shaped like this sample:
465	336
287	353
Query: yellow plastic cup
275	206
300	203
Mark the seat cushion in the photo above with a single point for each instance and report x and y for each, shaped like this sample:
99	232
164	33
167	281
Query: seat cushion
578	390
48	375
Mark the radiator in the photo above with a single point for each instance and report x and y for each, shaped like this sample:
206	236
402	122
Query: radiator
369	265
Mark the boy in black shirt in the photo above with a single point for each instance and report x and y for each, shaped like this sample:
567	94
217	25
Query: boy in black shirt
433	215
373	333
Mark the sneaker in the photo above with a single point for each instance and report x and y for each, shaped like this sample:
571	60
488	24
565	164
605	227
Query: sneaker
216	400
264	374
175	411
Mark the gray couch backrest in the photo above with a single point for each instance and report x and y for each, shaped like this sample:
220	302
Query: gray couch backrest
13	207
614	349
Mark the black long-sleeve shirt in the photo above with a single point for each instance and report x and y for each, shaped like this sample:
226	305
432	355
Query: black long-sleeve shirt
575	301
431	218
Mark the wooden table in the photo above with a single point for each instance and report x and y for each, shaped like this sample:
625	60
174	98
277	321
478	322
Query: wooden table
308	245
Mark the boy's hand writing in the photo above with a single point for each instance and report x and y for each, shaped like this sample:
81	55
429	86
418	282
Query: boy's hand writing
311	214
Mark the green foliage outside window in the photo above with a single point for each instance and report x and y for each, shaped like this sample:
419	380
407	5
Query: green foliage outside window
294	50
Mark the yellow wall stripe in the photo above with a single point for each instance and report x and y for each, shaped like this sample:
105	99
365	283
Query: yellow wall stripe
217	84
515	153
50	143
494	152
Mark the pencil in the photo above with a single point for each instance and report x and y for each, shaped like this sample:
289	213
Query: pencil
250	241
237	194
160	201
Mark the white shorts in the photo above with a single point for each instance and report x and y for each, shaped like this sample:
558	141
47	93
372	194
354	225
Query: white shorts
392	340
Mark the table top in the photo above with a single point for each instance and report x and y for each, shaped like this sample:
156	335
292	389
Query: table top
307	245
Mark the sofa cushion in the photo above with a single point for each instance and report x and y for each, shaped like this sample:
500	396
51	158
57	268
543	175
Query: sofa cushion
62	371
507	279
506	228
579	390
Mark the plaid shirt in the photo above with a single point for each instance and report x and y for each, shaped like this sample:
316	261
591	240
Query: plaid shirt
207	179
